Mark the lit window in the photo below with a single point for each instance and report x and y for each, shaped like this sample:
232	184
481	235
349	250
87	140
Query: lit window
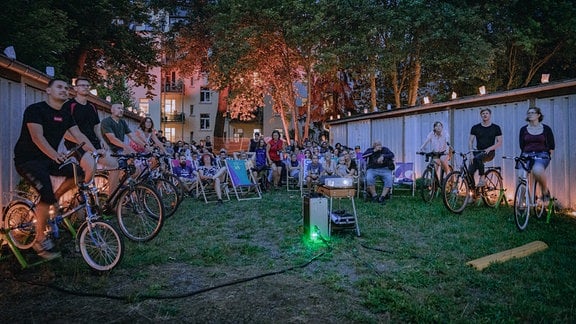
169	106
144	106
170	133
205	121
205	95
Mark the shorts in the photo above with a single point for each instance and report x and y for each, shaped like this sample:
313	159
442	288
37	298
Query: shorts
37	173
541	159
384	173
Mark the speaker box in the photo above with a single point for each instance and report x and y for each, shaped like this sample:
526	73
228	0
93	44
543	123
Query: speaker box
316	218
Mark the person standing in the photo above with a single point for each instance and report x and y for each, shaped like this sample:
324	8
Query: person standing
488	137
274	150
439	143
86	117
380	164
537	141
254	142
36	155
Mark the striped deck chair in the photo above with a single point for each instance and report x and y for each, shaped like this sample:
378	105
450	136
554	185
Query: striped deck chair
243	184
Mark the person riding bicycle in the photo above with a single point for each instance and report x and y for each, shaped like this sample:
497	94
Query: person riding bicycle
440	143
488	137
537	142
36	155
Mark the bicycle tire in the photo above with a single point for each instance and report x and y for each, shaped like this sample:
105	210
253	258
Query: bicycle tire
140	213
19	217
492	188
101	245
455	192
537	200
169	195
428	187
521	206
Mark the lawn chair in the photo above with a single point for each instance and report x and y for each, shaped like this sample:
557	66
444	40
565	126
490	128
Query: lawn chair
404	176
293	183
208	193
243	183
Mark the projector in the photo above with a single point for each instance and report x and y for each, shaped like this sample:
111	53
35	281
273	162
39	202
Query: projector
339	182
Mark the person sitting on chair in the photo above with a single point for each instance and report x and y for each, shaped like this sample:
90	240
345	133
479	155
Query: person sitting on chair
208	172
314	171
186	172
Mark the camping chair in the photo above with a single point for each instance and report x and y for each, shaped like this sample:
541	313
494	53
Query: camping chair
208	192
243	183
404	176
303	174
293	183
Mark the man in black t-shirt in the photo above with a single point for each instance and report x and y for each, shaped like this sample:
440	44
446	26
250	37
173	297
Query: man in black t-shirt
36	155
86	117
487	137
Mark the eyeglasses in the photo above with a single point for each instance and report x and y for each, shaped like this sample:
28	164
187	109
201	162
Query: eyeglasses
531	113
83	85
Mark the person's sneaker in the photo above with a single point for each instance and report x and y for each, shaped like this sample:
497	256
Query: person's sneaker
480	183
375	199
43	250
382	200
220	202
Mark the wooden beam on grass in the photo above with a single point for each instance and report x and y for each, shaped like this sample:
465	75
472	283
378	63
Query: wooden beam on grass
519	252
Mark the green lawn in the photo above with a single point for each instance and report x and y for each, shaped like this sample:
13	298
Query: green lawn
409	265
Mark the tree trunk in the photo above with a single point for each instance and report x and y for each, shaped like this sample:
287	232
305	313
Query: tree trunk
397	89
308	102
416	70
79	70
373	91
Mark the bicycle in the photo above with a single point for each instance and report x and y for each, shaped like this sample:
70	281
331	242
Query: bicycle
432	180
98	241
138	206
459	187
527	197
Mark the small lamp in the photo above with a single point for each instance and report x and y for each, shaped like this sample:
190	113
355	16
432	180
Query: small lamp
482	90
545	78
426	100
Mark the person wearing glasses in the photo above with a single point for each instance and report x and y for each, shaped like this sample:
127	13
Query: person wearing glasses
488	137
86	117
537	141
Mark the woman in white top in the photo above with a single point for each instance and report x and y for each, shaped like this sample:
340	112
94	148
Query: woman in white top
439	142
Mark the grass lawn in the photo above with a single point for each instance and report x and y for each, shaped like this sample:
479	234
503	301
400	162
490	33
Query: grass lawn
409	264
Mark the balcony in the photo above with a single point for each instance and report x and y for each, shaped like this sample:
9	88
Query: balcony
175	87
173	118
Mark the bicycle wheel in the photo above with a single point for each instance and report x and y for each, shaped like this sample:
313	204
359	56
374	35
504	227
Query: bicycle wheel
455	192
19	218
140	213
100	245
169	195
537	201
493	187
428	187
521	206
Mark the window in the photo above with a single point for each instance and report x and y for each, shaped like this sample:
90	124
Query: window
169	106
144	106
170	133
191	110
205	121
205	95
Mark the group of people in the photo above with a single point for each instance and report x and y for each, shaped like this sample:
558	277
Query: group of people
536	142
46	124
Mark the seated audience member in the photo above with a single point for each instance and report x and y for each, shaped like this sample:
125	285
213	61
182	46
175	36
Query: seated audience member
186	172
293	166
314	171
210	173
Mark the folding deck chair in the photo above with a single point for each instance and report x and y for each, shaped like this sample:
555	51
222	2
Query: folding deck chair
243	183
208	193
